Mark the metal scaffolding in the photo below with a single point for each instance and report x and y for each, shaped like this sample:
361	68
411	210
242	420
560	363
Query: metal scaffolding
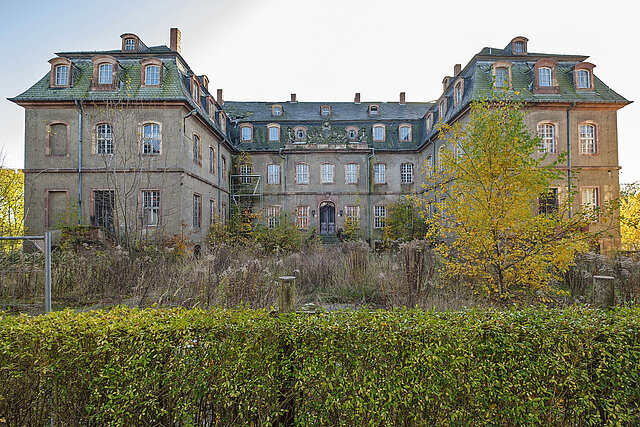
246	190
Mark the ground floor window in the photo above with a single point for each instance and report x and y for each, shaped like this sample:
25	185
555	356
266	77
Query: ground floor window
302	217
379	216
273	216
197	211
150	207
103	205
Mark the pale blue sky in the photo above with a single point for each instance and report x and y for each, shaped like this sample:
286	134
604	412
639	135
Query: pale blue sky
322	50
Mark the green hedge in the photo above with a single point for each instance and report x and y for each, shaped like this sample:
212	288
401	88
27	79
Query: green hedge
179	367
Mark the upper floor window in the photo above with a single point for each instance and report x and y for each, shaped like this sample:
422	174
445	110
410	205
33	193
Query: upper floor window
246	133
150	207
152	75
327	174
440	158
195	90
374	110
442	109
429	166
429	121
584	79
57	139
405	133
197	211
273	174
544	77
274	133
518	47
588	143
406	173
501	77
351	173
246	170
105	74
104	139
197	150
276	110
302	173
379	173
300	133
62	75
223	167
352	134
325	110
378	133
130	44
151	138
212	161
547	134
457	93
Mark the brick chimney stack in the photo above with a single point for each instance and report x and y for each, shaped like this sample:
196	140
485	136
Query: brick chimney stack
357	98
219	99
402	98
456	70
293	97
174	40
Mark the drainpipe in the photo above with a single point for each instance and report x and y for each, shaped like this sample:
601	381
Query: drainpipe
569	156
79	106
369	157
284	177
182	136
219	178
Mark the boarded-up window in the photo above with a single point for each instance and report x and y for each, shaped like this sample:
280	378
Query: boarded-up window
58	139
56	205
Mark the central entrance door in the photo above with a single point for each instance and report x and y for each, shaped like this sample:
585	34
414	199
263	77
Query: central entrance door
327	218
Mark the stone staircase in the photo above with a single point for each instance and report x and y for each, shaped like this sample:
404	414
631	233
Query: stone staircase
329	239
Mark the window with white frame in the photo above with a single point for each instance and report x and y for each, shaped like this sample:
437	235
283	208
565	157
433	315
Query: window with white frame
327	171
212	160
150	207
379	216
430	166
276	110
519	47
302	173
104	139
429	122
544	77
502	77
588	139
273	216
197	211
442	109
245	171
151	138
246	133
274	133
130	44
351	173
547	134
374	110
584	79
302	217
325	110
457	93
62	75
195	91
352	212
197	150
105	74
273	174
406	173
440	159
212	211
405	133
301	134
378	133
379	173
589	198
152	75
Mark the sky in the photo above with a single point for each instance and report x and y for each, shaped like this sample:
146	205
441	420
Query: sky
264	50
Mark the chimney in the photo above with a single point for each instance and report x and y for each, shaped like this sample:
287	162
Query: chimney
174	40
293	97
357	98
402	98
456	70
219	99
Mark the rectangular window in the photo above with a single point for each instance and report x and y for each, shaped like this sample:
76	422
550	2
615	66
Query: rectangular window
429	166
103	205
351	173
588	139
212	160
302	173
273	174
151	139
104	139
352	212
274	134
327	173
378	133
246	133
150	207
152	75
548	202
223	213
589	197
547	134
129	44
405	133
62	75
584	82
197	150
406	173
197	211
379	216
302	217
212	211
380	173
501	77
544	77
245	169
326	110
273	216
105	74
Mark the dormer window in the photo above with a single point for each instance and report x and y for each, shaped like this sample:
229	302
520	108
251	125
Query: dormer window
274	132
352	133
60	72
374	110
429	121
544	77
223	122
276	110
501	77
300	133
501	74
212	108
404	133
519	46
325	110
152	75
457	93
62	75
246	133
583	79
583	76
105	73
195	90
130	44
378	133
442	108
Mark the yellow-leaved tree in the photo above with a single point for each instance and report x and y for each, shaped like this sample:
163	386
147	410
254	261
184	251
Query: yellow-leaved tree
488	198
11	202
630	217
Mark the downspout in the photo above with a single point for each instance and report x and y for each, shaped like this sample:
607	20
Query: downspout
369	157
79	106
569	156
182	137
219	177
284	178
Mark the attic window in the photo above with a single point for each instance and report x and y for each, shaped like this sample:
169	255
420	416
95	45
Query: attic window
374	110
501	77
325	110
62	75
105	74
583	79
195	90
442	109
544	77
518	47
130	44
276	110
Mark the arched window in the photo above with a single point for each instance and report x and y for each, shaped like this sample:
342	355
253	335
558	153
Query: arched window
544	77
62	75
246	133
197	150
300	134
274	132
588	139
502	79
378	133
547	134
584	79
152	75
440	159
151	138
105	74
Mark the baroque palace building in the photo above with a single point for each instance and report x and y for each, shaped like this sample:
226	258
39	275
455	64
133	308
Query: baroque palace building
134	141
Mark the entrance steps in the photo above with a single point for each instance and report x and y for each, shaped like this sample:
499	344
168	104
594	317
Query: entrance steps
329	239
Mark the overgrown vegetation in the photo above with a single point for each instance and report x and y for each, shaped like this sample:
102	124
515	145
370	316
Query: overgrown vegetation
177	367
630	216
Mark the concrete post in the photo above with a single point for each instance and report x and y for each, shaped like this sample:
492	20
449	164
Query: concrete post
47	272
287	294
603	291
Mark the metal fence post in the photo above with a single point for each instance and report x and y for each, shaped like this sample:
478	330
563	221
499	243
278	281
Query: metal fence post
47	272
